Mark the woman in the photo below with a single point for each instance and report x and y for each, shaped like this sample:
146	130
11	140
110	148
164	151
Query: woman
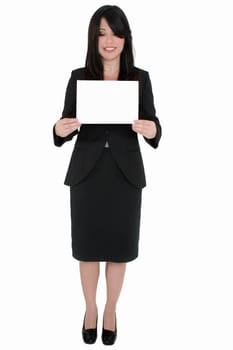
106	173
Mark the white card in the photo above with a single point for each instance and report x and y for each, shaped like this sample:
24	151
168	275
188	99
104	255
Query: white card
107	101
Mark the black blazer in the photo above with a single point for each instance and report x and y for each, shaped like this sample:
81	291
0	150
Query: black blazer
123	141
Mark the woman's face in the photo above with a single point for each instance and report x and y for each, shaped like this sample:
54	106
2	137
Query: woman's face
110	46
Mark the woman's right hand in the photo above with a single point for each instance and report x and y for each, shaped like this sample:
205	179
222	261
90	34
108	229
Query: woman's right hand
66	126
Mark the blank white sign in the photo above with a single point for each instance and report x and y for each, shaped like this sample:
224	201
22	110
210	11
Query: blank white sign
107	101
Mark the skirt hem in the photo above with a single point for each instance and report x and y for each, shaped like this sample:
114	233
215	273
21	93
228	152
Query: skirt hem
97	259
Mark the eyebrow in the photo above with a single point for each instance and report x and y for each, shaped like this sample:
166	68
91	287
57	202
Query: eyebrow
102	29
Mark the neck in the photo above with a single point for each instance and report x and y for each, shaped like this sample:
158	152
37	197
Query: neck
111	68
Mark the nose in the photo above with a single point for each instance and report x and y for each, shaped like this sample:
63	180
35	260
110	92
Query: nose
109	38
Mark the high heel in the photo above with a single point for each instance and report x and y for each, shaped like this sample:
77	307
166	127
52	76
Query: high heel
109	337
89	335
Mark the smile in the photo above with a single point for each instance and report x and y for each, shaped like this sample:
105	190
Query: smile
109	49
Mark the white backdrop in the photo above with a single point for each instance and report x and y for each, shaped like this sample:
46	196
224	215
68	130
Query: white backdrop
178	293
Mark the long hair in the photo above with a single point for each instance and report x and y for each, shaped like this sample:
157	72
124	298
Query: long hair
119	24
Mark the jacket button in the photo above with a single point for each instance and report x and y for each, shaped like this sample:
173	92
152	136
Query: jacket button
106	132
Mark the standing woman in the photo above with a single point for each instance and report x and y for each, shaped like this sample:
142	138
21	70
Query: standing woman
106	172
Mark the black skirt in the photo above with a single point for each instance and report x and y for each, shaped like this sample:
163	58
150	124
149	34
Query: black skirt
105	214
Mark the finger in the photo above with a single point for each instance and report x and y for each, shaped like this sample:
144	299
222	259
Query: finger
134	128
137	129
145	122
68	121
70	129
139	123
72	126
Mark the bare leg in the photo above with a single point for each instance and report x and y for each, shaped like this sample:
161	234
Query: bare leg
115	273
89	273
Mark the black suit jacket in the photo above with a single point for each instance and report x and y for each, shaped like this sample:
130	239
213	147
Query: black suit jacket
123	141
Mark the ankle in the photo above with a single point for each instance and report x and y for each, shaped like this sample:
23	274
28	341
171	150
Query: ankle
91	308
110	308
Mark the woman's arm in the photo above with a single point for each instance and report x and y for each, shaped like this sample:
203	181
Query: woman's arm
67	127
148	124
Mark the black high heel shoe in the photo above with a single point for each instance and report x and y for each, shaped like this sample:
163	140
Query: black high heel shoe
89	335
109	337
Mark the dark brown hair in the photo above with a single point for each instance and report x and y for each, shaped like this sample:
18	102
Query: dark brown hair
119	24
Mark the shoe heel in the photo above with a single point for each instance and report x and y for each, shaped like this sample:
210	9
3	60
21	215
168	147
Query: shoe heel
89	335
109	337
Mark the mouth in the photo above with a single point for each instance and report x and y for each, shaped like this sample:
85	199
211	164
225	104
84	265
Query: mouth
109	49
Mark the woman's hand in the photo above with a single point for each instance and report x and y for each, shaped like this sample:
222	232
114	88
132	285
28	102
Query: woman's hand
144	127
66	126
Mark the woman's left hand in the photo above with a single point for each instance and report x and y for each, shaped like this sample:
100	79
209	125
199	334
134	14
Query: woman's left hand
144	127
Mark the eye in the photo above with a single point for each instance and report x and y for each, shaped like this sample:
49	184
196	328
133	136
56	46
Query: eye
101	33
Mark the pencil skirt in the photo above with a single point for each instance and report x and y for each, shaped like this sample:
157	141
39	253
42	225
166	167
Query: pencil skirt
105	214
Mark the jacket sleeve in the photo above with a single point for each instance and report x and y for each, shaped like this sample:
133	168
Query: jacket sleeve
69	111
147	109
